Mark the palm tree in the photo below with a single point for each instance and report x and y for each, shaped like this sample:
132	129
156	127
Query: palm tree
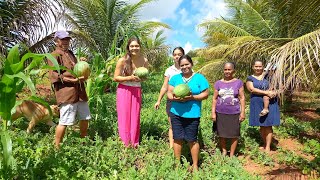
27	22
155	49
284	32
105	25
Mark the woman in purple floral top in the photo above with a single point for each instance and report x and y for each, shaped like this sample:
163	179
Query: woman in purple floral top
228	108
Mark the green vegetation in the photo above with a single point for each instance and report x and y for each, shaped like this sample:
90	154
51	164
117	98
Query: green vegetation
284	31
102	155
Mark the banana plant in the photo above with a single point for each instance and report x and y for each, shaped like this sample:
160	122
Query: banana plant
13	78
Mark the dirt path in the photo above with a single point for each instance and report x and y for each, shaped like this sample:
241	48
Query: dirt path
280	171
303	109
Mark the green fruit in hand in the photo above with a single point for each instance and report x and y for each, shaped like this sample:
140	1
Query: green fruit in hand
141	72
181	91
82	68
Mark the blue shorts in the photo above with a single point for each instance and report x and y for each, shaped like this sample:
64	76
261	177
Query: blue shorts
184	128
168	106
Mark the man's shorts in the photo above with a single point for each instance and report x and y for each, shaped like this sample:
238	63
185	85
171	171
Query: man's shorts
68	112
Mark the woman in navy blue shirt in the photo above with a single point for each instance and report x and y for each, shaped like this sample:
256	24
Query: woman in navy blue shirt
258	85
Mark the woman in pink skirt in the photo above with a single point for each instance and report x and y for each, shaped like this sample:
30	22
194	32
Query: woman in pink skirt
129	93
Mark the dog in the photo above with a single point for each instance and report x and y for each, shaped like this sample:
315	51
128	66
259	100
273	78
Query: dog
35	113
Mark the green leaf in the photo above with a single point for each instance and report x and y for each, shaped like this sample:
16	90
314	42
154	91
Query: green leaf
34	72
26	79
17	67
54	61
89	87
7	149
36	60
14	56
19	85
13	110
7	67
7	96
60	67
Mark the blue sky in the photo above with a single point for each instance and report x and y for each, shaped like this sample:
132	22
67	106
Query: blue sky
183	16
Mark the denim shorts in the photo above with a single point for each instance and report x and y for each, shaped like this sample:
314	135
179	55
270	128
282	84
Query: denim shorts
168	107
185	128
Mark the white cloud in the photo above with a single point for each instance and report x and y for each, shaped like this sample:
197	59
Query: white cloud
209	9
160	9
166	32
200	31
186	21
188	17
187	47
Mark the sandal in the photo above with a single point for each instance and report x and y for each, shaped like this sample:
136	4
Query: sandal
264	112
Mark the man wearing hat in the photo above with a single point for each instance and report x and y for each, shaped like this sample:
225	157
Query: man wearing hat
69	90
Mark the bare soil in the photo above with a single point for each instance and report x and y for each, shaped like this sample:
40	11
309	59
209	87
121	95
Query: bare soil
303	108
281	171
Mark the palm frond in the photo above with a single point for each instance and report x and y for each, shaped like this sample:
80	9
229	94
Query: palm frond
296	18
28	21
298	62
222	26
108	23
248	18
255	49
213	70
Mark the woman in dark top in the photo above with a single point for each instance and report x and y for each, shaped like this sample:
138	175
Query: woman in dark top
258	85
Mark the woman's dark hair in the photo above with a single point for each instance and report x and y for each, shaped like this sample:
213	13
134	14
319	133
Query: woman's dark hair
188	58
179	48
128	62
258	60
232	63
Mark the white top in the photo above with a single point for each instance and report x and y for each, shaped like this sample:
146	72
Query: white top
131	83
171	71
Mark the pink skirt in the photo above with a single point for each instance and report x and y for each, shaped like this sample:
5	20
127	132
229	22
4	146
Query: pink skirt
128	110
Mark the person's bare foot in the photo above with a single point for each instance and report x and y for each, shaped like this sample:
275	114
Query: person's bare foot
264	112
195	168
224	152
268	150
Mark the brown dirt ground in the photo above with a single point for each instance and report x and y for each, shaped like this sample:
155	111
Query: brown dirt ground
282	171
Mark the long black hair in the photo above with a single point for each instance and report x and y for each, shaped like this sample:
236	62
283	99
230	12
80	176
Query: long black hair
179	48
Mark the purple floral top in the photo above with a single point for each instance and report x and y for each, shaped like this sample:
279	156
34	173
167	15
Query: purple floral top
228	102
